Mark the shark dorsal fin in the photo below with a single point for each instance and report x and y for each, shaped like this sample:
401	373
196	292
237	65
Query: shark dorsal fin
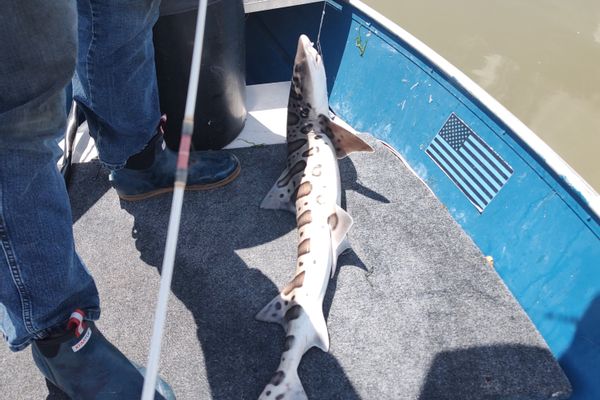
345	141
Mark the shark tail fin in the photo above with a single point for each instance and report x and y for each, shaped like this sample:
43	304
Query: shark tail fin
286	383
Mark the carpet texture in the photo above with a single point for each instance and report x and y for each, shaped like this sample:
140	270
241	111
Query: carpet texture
414	312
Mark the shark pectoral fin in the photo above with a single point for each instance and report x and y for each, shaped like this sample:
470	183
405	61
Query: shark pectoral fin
346	142
274	311
280	195
339	222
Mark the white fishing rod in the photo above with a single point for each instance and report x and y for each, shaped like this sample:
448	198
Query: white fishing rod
175	217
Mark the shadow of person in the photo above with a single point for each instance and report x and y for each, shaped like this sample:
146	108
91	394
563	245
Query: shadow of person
232	257
581	361
88	184
503	371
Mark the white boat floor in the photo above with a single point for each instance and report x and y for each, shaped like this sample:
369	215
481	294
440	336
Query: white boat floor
414	311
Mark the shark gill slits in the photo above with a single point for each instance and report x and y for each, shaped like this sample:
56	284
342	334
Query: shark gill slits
295	283
306	128
293	313
277	378
295	145
304	218
333	220
304	189
289	342
292	171
317	170
304	247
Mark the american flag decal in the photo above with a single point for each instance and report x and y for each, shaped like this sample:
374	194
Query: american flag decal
474	167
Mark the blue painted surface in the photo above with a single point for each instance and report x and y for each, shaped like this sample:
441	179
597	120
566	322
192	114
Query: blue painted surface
545	244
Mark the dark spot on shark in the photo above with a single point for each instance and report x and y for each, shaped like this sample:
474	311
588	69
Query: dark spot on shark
292	171
280	397
295	283
317	170
318	137
286	302
306	128
268	393
292	119
304	112
293	297
277	378
295	145
304	218
278	306
308	105
289	342
304	247
333	220
304	189
274	315
281	195
300	263
293	313
309	152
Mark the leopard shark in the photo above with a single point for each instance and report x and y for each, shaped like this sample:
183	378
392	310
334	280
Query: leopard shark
310	187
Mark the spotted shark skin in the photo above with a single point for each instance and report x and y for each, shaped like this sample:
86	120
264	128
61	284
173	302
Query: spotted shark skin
309	187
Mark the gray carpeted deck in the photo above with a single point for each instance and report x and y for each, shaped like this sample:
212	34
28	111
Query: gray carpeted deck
414	312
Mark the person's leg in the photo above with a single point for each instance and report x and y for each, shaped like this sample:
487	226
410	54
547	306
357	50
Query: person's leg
115	80
116	85
42	280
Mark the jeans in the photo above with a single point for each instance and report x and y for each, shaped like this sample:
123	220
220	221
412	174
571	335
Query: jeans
106	45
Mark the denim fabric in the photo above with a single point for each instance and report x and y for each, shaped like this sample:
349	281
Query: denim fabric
42	280
115	80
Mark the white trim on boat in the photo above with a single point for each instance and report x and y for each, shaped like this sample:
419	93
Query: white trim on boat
537	145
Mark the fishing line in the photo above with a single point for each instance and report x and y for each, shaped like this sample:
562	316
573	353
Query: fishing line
320	28
176	205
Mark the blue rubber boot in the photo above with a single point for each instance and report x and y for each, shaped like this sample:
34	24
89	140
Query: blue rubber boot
207	170
84	365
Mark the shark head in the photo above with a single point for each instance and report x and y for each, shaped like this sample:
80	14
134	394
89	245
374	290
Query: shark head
309	83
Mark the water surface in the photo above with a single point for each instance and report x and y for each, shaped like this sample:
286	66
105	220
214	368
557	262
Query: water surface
539	58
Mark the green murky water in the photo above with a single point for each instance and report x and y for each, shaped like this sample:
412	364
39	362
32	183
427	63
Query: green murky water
539	58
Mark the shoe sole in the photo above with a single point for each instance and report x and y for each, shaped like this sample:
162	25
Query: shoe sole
206	186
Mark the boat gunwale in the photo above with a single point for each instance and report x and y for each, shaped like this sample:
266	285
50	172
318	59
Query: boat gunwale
565	174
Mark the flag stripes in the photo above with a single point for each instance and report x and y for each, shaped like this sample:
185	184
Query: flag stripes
474	167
